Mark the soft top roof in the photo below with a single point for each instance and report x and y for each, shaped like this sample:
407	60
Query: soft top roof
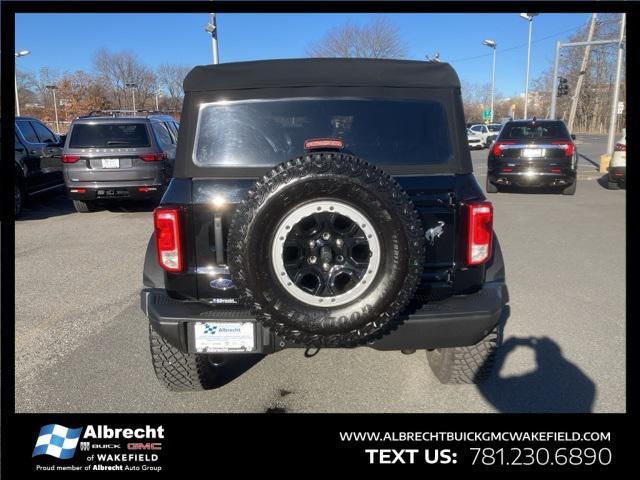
308	72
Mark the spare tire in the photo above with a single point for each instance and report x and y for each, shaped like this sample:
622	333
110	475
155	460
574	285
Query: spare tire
326	250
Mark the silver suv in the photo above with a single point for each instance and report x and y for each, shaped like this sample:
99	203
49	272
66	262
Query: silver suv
111	155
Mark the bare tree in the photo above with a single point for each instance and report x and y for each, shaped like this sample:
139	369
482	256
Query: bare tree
119	68
377	39
170	78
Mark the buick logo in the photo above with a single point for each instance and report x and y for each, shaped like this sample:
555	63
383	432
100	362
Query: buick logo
221	283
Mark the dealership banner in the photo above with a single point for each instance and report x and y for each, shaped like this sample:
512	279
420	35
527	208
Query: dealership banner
167	445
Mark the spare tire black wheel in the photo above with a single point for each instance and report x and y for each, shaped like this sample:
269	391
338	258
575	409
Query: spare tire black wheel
326	250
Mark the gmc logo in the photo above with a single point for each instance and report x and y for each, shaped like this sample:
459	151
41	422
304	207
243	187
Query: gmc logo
144	446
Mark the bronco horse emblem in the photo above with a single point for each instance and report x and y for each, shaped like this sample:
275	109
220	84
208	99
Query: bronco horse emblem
434	232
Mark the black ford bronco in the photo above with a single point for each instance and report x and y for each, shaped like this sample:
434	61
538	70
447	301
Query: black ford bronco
322	203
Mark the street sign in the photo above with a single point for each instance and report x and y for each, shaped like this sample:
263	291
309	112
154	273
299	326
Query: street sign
620	108
486	114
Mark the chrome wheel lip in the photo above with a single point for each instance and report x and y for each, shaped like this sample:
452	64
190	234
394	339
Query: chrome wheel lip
306	210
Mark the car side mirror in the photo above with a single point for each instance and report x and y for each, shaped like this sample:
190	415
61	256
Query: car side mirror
573	136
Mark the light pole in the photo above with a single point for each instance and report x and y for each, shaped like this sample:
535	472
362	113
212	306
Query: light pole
212	29
53	88
19	54
132	86
157	107
493	45
529	18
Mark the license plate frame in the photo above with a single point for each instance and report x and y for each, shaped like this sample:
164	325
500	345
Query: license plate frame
110	163
532	152
223	337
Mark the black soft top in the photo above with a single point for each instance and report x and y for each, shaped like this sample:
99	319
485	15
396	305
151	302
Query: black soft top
321	77
310	72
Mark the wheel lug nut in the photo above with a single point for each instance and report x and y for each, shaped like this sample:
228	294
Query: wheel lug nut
340	258
326	236
313	259
326	266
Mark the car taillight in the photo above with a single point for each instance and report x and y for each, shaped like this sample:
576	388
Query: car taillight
497	148
568	147
167	227
480	232
70	158
620	147
153	157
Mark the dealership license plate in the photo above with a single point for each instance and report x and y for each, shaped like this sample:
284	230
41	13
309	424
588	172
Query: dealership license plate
224	337
110	163
532	152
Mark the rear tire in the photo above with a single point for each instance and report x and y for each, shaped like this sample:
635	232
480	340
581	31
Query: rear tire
84	206
613	185
179	371
491	188
460	365
571	189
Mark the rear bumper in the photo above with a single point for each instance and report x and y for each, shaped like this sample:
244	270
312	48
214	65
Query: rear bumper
618	174
460	320
114	191
534	179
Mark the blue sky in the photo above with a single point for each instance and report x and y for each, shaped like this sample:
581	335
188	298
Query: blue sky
67	41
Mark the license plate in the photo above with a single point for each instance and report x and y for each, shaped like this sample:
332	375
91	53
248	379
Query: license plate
532	152
110	163
224	337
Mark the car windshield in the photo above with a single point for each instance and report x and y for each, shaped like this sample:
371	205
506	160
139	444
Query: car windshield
102	135
494	128
267	132
532	131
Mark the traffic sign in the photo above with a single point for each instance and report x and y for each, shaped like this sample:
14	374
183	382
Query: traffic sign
486	114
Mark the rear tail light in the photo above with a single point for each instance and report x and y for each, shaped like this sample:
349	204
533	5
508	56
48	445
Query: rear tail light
153	157
497	148
167	227
568	147
620	147
147	189
507	169
78	190
70	158
480	232
556	170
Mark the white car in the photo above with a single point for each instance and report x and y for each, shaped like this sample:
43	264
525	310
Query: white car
475	140
618	165
488	132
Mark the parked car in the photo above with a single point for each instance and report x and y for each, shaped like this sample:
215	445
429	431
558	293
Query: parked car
113	156
533	153
618	166
488	132
339	211
37	160
474	140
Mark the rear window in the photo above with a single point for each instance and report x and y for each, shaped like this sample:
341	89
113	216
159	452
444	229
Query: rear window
101	135
535	131
267	132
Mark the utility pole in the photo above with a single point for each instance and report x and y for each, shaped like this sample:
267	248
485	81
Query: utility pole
616	90
55	105
554	85
583	68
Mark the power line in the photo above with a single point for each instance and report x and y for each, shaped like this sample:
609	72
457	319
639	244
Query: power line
516	47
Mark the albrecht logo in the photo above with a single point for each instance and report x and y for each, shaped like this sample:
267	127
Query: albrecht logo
57	441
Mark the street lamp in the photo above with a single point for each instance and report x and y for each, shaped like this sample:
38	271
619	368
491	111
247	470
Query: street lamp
133	94
212	29
19	54
53	88
492	44
529	18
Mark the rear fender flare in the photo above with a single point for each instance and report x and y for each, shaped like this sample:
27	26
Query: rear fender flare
153	275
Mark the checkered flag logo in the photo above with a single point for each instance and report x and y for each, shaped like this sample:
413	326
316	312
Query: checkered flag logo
210	329
57	441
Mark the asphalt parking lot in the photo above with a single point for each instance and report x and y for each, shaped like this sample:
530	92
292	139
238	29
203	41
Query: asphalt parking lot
81	339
